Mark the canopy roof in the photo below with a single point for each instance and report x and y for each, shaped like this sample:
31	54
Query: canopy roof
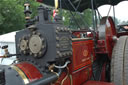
81	4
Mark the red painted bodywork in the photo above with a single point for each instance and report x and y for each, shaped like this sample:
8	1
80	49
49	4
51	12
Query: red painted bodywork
101	49
97	83
81	67
30	71
79	71
82	54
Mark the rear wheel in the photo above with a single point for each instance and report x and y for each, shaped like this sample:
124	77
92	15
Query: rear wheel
119	62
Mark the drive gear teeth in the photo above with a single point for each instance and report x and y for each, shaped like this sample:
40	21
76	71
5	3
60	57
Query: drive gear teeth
35	55
23	45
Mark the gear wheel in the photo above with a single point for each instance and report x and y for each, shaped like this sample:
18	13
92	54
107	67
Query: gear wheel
37	45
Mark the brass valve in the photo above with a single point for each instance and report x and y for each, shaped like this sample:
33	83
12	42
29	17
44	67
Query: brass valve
5	48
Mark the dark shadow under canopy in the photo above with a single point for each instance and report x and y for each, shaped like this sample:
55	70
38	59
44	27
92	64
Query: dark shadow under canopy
83	4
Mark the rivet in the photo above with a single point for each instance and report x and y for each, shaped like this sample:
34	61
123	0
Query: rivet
42	39
34	32
62	29
30	53
58	52
38	34
57	31
60	55
70	38
65	29
24	52
58	28
35	55
70	53
64	54
70	31
43	46
57	45
40	53
57	38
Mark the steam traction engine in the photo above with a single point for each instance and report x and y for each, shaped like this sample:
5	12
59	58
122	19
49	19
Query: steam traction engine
49	53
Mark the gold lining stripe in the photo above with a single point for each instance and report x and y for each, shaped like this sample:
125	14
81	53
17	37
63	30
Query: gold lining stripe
21	73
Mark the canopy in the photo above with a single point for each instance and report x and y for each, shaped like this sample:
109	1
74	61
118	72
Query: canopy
81	5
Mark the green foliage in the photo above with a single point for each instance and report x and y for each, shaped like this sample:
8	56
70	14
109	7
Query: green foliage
78	20
12	15
33	6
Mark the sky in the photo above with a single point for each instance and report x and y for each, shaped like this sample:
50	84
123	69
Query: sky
121	10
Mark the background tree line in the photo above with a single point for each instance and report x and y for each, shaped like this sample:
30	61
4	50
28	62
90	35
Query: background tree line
12	16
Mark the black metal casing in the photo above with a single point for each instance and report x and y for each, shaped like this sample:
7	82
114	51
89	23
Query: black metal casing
57	44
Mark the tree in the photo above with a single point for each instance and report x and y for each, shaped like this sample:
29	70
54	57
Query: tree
11	17
77	20
12	14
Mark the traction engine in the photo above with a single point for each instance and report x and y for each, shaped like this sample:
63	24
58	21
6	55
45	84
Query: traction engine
48	53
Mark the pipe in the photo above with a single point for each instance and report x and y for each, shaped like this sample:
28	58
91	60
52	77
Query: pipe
64	66
46	80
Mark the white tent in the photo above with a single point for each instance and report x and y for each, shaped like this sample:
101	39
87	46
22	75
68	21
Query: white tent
8	39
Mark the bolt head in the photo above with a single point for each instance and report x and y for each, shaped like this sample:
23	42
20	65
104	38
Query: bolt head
58	28
57	38
35	55
57	31
38	34
34	32
30	53
24	52
57	45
